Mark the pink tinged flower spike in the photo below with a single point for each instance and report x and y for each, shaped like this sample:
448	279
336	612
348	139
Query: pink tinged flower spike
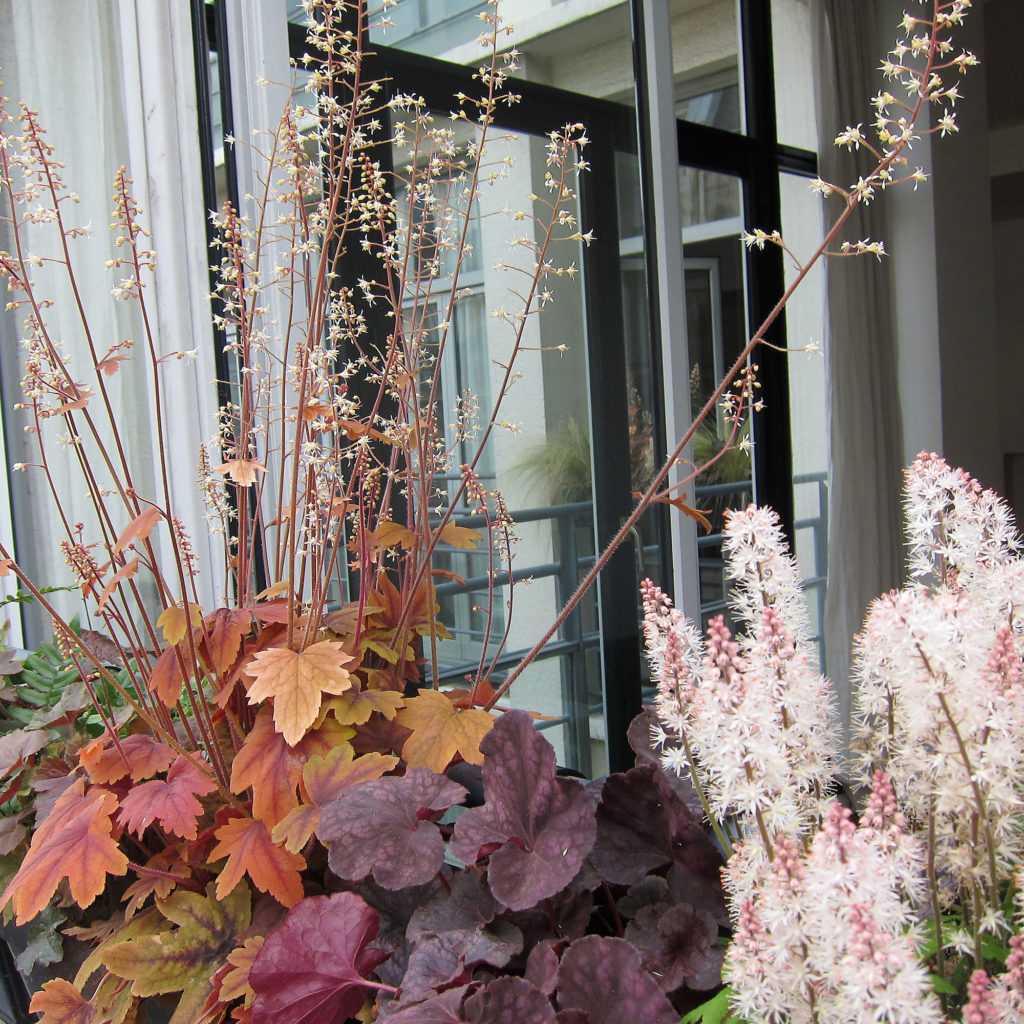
981	1007
882	813
1003	668
1008	993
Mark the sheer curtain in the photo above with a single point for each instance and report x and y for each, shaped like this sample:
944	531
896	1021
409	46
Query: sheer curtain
864	411
113	83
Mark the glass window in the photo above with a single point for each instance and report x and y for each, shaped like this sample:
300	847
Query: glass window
716	331
540	459
706	63
579	45
803	228
792	44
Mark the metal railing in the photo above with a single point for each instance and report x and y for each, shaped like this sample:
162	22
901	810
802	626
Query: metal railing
573	642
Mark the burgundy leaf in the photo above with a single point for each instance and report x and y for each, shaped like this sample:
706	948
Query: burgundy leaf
605	979
536	827
542	965
465	915
445	1008
509	999
640	739
676	944
312	969
571	1017
380	827
642	825
435	962
652	889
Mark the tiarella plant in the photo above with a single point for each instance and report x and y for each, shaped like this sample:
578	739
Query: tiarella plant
903	906
263	807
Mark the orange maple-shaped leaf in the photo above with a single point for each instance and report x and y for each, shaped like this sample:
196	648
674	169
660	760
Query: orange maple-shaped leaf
390	534
143	757
224	631
171	801
61	1003
73	842
440	730
296	679
166	680
138	529
273	769
459	536
235	984
324	778
250	851
241	471
175	620
356	706
126	572
168	863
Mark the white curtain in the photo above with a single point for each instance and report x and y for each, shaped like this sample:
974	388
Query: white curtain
114	84
865	425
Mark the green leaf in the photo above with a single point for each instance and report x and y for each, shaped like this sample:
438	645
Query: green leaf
44	945
943	986
714	1011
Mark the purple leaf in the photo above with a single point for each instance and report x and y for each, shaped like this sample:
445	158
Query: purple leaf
542	966
571	1017
676	944
445	1008
465	917
313	967
537	828
509	999
642	825
640	739
605	979
383	827
435	962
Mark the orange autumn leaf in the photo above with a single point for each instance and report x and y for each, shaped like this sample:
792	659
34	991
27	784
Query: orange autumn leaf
696	514
138	529
440	730
388	534
174	621
60	1002
324	778
160	886
6	567
355	430
171	801
241	471
356	706
274	590
110	364
144	755
272	767
459	536
165	680
296	680
250	851
126	572
235	984
74	842
225	629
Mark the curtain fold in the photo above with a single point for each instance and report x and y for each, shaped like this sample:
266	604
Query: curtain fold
864	409
113	84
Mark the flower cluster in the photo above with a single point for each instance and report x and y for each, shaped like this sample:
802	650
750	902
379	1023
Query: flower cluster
938	694
825	932
751	715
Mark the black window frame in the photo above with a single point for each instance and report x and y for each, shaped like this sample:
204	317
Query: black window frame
755	157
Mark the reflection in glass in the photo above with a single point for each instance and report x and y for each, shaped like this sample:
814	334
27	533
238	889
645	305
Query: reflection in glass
539	458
